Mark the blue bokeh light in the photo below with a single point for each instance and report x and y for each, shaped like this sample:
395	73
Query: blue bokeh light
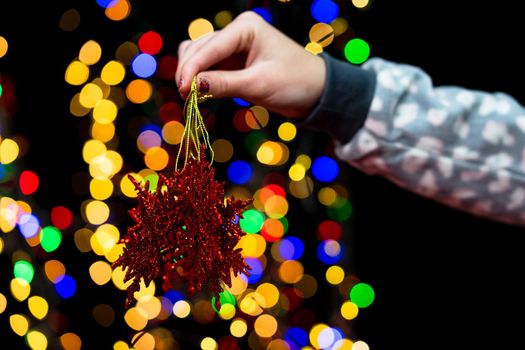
29	225
297	335
257	270
241	102
65	286
144	65
324	10
107	3
291	248
264	13
239	172
330	251
325	169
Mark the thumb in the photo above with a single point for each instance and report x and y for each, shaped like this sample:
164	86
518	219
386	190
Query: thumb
223	83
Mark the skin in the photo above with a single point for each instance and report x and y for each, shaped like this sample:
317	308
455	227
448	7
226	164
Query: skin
253	60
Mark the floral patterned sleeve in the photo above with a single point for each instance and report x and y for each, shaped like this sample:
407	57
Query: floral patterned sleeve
464	148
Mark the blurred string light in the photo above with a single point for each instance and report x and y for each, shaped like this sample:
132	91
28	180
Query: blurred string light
256	306
3	47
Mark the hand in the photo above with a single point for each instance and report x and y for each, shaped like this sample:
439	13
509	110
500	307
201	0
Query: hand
252	60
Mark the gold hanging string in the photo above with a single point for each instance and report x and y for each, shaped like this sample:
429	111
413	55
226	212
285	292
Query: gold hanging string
194	128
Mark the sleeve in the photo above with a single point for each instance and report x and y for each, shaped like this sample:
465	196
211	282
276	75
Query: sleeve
463	148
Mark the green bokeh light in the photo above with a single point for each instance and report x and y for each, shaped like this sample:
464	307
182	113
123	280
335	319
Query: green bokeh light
362	295
225	297
340	210
284	221
24	270
1	90
50	238
357	51
252	221
153	180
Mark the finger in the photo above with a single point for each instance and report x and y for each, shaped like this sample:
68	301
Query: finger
226	83
236	37
188	49
185	50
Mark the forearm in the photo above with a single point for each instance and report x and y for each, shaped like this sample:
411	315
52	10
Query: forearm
460	147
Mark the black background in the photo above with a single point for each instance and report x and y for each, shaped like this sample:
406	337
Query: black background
443	279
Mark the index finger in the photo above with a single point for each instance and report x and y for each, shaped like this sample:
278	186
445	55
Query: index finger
234	38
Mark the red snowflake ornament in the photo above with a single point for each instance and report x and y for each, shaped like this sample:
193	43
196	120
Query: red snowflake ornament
184	229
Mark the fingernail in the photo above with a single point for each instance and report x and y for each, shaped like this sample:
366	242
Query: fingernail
204	85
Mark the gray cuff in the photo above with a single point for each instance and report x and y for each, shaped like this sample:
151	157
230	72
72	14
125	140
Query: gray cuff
345	101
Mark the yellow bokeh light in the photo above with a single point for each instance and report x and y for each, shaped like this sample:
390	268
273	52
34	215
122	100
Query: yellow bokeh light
343	344
97	212
105	111
265	326
116	161
199	27
349	310
272	153
38	306
115	252
126	52
223	18
278	344
252	304
101	167
54	269
100	272
135	319
303	188
144	341
119	11
127	187
297	172
101	188
181	309
291	271
253	245
113	73
4	46
209	343
105	238
90	52
150	306
117	277
335	275
144	291
239	284
360	345
276	207
120	345
76	108
36	340
222	150
70	341
172	132
314	334
227	311
103	132
287	131
238	327
77	73
20	289
82	239
314	48
8	151
322	34
92	149
1	245
327	196
139	91
3	303
304	160
8	214
90	95
270	293
257	117
156	158
19	324
340	25
360	3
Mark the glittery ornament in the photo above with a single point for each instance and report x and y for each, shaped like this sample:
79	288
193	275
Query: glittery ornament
185	228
